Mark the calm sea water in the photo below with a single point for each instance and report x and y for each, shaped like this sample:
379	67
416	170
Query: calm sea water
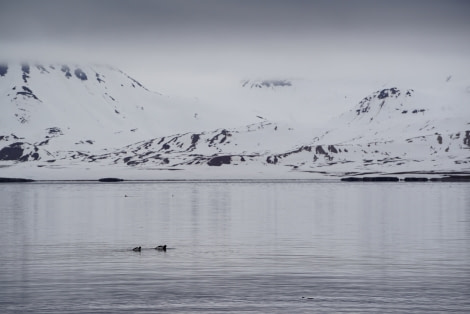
279	247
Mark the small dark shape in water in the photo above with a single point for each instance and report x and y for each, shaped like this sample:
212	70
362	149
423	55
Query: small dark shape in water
161	248
137	249
110	180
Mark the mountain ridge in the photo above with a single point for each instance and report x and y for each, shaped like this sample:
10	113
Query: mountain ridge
107	120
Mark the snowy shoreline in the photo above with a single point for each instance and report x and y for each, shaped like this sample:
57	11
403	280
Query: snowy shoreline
224	177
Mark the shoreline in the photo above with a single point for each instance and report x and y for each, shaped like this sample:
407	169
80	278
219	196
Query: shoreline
350	179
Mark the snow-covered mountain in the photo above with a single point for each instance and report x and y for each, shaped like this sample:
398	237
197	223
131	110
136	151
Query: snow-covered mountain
78	106
85	122
393	130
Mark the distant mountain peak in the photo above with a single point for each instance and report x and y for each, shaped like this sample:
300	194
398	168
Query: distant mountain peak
273	83
77	98
388	100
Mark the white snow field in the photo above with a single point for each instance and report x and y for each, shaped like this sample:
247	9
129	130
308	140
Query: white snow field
72	122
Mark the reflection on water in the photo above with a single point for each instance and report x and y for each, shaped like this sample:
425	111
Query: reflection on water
247	246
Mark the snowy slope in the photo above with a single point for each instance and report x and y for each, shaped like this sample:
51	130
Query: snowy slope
58	120
305	102
394	130
84	104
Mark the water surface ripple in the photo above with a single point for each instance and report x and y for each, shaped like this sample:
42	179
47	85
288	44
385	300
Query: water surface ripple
274	247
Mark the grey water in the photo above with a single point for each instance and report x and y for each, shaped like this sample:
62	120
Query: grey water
284	246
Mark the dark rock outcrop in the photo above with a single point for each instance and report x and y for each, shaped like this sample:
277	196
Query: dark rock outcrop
351	179
8	180
272	160
110	180
267	83
3	69
27	92
453	178
370	179
415	179
194	139
66	70
12	152
220	160
80	74
466	139
381	179
25	69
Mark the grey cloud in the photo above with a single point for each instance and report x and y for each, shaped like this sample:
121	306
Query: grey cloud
210	38
219	20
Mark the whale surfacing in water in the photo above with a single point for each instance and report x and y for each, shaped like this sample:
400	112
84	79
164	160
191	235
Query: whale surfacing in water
161	248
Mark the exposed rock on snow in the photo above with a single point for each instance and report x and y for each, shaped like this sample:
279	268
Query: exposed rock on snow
266	83
68	116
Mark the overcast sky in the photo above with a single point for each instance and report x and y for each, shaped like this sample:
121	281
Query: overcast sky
165	43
